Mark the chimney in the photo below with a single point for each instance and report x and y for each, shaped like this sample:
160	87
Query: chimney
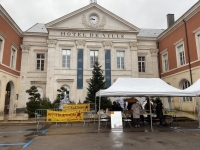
170	20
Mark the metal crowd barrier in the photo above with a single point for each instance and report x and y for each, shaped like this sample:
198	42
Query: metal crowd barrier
41	115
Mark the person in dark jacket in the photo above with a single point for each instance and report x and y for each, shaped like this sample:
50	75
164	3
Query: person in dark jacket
159	113
114	106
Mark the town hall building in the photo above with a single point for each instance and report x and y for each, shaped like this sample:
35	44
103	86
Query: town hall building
63	52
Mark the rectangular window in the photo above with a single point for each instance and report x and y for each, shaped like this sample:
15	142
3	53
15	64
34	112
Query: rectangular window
198	45
197	39
181	55
165	62
66	58
93	58
1	42
40	62
120	60
141	64
13	58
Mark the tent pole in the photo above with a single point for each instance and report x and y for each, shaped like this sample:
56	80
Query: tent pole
150	112
198	109
99	112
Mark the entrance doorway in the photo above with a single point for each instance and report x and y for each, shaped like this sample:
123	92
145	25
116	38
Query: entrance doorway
7	100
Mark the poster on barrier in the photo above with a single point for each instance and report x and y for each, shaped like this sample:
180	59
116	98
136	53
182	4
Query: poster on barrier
82	107
68	116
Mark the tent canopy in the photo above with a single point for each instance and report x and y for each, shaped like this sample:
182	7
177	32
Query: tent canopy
195	88
143	87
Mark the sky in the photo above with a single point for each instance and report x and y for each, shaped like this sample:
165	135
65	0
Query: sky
141	13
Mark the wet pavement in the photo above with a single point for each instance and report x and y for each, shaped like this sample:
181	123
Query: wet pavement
180	135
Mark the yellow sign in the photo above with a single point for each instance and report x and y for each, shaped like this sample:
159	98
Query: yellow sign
68	116
83	107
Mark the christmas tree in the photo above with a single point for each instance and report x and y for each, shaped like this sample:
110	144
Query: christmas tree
96	83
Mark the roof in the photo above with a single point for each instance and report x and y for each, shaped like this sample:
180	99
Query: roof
38	27
150	32
142	87
92	5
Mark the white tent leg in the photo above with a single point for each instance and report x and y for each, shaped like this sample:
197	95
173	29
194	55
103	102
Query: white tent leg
198	110
99	112
150	113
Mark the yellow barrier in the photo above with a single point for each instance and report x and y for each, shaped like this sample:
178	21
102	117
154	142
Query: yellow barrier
67	116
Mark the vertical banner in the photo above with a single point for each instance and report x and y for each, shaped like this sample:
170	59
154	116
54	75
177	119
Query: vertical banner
80	69
107	68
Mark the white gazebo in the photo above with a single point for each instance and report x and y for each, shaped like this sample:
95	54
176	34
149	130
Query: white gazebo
148	87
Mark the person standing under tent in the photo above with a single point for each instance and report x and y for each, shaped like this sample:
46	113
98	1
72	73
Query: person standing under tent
119	108
159	113
136	113
114	106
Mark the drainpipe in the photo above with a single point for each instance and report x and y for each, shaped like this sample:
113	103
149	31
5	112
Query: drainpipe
158	60
188	51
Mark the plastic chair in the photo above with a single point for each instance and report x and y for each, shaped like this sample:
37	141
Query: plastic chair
104	118
127	117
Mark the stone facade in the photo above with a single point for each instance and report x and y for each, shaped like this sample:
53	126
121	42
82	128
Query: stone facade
74	32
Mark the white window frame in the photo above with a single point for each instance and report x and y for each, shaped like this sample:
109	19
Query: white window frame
66	64
15	58
92	63
177	45
165	68
144	64
1	48
120	59
197	38
40	61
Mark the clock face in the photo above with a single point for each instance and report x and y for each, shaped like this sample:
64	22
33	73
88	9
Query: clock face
94	19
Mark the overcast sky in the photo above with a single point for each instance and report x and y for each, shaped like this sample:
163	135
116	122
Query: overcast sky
141	13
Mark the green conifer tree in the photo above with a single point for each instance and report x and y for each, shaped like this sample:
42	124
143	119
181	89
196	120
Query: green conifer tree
96	83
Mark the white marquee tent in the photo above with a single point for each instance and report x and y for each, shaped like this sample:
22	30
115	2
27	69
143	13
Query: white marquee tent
140	87
194	88
143	87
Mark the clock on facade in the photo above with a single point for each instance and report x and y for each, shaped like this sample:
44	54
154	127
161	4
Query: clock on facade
94	19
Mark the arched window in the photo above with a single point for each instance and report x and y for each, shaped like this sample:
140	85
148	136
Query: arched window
40	90
185	84
67	87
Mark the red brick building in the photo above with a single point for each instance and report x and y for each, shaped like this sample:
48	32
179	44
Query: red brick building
179	54
10	62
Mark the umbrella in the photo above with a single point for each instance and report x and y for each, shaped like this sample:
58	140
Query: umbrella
120	101
131	100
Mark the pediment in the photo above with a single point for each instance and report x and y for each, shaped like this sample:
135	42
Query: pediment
81	19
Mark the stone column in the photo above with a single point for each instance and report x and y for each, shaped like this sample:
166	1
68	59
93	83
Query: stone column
23	76
50	69
134	59
154	55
